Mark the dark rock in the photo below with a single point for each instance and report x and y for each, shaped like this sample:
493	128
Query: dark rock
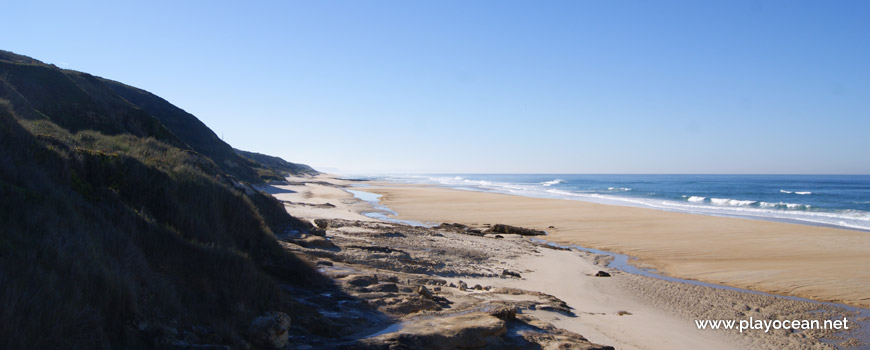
505	312
386	287
429	280
508	229
510	273
321	223
324	263
392	279
413	305
452	227
602	274
393	235
422	290
551	226
315	242
478	287
499	236
270	330
377	249
361	280
463	286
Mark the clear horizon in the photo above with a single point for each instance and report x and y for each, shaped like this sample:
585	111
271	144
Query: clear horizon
676	87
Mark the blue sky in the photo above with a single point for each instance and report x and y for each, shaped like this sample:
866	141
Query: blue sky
491	86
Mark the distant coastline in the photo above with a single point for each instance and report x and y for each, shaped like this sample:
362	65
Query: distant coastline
836	201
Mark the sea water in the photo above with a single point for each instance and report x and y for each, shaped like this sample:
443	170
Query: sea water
841	201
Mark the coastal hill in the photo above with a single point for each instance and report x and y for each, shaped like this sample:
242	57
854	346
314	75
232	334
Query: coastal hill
278	165
127	223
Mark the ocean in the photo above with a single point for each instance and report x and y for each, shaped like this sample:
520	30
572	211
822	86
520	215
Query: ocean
841	201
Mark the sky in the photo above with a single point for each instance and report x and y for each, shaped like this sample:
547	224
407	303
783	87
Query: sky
490	86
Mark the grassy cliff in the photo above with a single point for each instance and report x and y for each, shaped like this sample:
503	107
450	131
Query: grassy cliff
124	220
278	165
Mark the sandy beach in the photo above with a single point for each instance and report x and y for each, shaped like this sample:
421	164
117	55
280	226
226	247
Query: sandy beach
625	311
812	262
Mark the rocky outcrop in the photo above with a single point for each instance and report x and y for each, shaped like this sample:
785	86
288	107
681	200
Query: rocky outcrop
270	330
424	292
321	223
602	274
509	273
361	280
515	230
386	287
315	242
393	270
468	331
463	286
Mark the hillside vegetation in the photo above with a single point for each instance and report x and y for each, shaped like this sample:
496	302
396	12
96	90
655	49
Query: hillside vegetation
124	219
278	165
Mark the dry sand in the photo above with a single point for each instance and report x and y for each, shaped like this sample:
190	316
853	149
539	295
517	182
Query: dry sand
813	262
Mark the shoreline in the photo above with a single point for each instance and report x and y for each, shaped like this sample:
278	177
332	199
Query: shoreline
807	261
627	311
821	218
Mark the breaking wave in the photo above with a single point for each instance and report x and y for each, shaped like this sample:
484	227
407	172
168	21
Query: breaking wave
732	202
553	182
782	205
802	193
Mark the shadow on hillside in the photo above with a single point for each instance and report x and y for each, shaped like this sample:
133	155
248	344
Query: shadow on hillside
102	250
270	189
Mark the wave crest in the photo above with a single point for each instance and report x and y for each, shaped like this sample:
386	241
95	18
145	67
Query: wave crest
552	182
783	205
802	193
733	202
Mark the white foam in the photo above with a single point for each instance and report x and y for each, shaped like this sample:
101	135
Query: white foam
696	199
732	202
802	193
720	201
782	205
619	188
553	182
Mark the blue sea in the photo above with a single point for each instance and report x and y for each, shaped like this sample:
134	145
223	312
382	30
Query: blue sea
828	200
